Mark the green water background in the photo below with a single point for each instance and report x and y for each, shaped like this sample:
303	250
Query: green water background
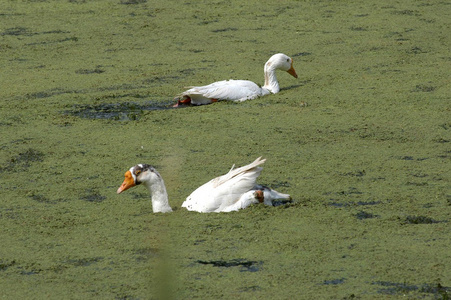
361	140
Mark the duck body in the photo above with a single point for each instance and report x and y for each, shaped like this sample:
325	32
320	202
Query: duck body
230	192
239	90
232	90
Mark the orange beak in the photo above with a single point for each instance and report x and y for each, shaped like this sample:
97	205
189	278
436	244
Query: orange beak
292	72
128	182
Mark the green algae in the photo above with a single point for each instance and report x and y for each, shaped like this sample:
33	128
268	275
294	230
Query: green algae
361	141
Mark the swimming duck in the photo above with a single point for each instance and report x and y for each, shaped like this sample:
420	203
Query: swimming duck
230	192
239	90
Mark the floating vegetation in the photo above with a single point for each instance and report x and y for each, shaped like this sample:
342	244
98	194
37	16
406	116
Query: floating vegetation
407	158
335	203
281	202
441	140
374	139
23	160
423	88
83	262
346	193
144	254
90	71
251	288
92	196
5	265
42	199
368	202
225	29
247	265
419	220
39	198
47	94
32	272
350	191
16	31
446	125
357	173
125	111
339	204
416	50
302	54
361	215
132	2
72	38
393	288
358	28
334	281
406	12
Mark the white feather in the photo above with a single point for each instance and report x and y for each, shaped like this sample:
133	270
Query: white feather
224	191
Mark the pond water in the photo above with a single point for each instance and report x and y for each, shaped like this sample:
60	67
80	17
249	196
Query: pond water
361	141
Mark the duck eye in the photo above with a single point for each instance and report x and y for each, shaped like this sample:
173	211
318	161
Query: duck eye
288	60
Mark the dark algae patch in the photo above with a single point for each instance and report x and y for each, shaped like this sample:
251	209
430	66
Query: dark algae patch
419	220
83	262
334	281
361	142
22	161
245	265
438	291
361	215
125	111
4	265
92	195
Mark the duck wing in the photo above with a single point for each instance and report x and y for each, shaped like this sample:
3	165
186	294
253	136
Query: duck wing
235	90
223	191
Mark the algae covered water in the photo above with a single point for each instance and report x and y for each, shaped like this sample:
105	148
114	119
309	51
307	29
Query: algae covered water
361	141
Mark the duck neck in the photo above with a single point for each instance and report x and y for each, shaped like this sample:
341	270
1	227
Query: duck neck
271	83
159	195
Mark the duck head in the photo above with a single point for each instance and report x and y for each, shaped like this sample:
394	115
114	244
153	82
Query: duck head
135	176
282	62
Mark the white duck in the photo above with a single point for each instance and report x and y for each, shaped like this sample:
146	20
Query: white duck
230	192
239	90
